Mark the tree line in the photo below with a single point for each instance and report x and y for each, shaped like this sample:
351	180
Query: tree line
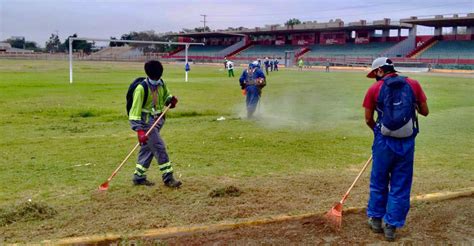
54	43
22	43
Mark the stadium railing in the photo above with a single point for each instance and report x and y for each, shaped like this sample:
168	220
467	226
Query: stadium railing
334	60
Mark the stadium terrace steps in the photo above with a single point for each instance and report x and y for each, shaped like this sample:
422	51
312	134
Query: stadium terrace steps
350	49
234	49
267	50
113	52
420	49
450	49
207	50
401	49
257	50
237	51
177	50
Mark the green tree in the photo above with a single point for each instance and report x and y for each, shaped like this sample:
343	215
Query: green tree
30	45
18	43
202	29
293	21
115	44
53	44
77	45
196	29
21	43
150	36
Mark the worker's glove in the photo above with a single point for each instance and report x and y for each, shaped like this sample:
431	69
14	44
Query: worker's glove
142	137
261	82
242	86
172	101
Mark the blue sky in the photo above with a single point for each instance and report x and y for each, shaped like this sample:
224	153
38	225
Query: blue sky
37	19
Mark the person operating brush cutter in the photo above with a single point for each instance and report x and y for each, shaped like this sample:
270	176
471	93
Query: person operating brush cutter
146	100
252	81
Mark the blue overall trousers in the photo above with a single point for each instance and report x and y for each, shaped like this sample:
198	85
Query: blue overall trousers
391	178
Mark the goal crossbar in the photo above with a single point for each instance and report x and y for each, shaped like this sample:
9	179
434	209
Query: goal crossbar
71	39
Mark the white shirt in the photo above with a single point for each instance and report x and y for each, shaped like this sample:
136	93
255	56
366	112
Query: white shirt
230	65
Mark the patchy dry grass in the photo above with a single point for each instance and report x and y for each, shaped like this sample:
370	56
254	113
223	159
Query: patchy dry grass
60	142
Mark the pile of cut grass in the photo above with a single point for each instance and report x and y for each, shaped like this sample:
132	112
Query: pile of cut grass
27	211
225	192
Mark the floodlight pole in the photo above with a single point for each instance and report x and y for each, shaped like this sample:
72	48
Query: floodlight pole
70	60
71	39
186	62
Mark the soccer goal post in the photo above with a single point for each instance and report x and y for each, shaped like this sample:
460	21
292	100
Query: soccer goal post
71	39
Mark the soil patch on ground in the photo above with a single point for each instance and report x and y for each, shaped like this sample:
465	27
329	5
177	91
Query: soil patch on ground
438	222
128	210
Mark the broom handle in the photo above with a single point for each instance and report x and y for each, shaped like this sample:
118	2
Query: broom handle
357	179
138	144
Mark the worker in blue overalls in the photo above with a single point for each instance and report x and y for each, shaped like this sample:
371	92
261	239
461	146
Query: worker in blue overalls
252	81
396	99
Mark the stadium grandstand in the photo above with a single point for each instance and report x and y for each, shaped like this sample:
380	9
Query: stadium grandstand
342	43
317	43
123	52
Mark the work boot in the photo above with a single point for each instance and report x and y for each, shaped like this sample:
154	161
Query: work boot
144	182
169	181
389	231
376	224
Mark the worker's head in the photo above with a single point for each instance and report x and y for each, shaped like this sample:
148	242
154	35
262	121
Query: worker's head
380	67
253	64
153	69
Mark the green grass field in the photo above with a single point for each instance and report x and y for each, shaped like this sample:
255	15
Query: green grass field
60	141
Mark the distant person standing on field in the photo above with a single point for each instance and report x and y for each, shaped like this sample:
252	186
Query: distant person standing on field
275	64
266	63
230	68
300	64
397	99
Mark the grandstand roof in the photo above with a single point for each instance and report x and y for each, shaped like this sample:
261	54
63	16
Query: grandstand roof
208	34
299	29
442	21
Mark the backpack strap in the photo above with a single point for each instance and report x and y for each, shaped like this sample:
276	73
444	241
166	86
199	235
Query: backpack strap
417	126
144	83
415	107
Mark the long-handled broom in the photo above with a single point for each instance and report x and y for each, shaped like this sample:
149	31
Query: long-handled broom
334	215
105	186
